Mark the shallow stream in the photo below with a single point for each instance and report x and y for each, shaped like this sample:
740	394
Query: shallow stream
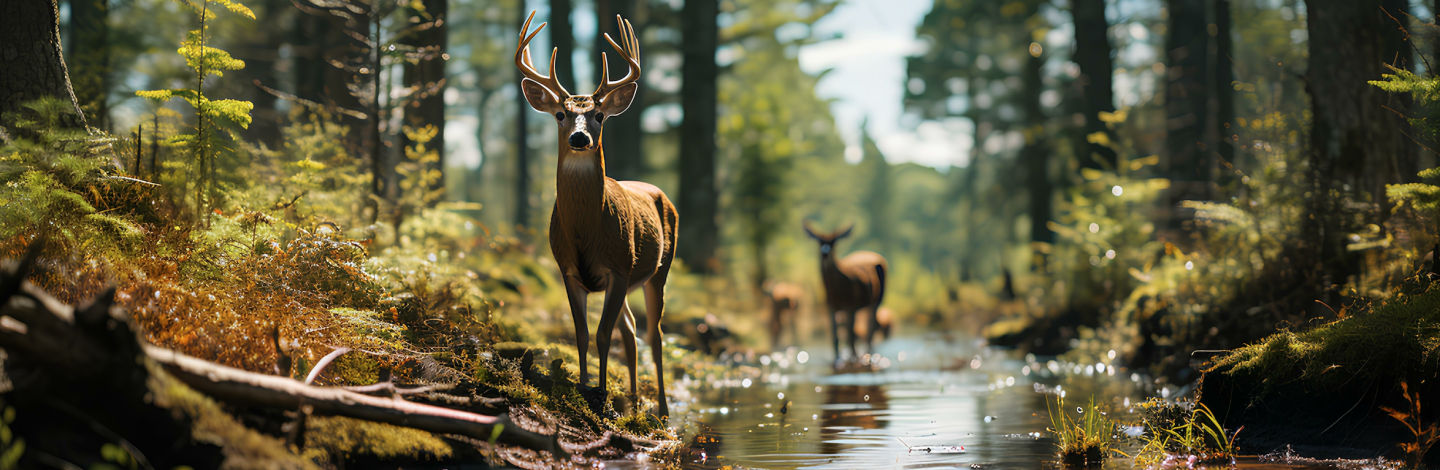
918	413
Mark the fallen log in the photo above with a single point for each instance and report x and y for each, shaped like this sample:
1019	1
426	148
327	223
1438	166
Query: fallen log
243	388
91	344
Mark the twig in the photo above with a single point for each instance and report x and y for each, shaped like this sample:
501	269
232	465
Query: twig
132	180
324	361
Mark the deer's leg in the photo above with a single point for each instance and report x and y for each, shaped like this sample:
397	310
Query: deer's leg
654	309
850	328
776	325
627	338
835	331
873	320
577	295
614	302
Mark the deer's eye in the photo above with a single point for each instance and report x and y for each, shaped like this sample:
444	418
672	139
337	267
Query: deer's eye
599	117
559	116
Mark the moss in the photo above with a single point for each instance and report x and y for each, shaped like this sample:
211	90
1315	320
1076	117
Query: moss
1397	339
355	368
244	448
334	436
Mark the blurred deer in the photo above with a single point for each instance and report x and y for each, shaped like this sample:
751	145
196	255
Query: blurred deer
784	298
607	236
853	283
883	318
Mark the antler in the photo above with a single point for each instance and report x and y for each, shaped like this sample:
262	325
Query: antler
631	54
527	67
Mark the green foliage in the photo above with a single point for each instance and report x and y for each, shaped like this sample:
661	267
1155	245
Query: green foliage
215	120
420	176
1174	431
767	129
1394	339
54	181
1424	90
12	447
1086	439
1423	196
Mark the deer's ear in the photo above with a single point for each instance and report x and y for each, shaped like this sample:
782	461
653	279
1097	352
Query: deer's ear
539	97
619	100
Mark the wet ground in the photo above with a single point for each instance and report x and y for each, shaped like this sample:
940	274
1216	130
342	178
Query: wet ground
939	404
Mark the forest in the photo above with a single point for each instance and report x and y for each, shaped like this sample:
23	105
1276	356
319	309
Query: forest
341	234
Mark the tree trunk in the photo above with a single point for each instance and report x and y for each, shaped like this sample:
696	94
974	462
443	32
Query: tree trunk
1035	156
562	37
260	54
623	157
89	57
316	40
1092	54
1357	144
522	141
1199	91
31	64
699	196
426	81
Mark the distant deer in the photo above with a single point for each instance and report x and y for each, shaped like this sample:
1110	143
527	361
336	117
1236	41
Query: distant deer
853	283
784	298
607	236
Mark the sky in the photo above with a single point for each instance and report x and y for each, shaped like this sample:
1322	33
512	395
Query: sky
868	77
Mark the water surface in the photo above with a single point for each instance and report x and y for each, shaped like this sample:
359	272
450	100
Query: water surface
942	397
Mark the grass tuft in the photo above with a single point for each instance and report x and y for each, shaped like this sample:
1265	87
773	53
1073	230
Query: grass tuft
1085	437
1184	435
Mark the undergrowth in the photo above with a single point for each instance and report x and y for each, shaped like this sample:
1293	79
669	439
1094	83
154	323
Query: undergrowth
263	283
1396	339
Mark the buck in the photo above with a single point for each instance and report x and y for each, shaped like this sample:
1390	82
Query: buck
607	236
853	283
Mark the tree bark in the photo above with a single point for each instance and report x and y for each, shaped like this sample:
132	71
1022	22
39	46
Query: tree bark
624	159
1092	54
699	196
1357	145
562	37
426	81
1035	156
260	53
1197	96
31	63
90	58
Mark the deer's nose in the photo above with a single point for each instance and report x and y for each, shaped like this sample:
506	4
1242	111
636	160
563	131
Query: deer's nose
579	140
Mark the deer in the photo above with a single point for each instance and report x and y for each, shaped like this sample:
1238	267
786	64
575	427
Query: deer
607	236
853	283
783	298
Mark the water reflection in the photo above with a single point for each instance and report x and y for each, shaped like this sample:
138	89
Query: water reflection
994	411
850	408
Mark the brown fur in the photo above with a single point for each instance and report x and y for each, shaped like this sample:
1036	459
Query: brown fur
607	236
784	298
853	283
